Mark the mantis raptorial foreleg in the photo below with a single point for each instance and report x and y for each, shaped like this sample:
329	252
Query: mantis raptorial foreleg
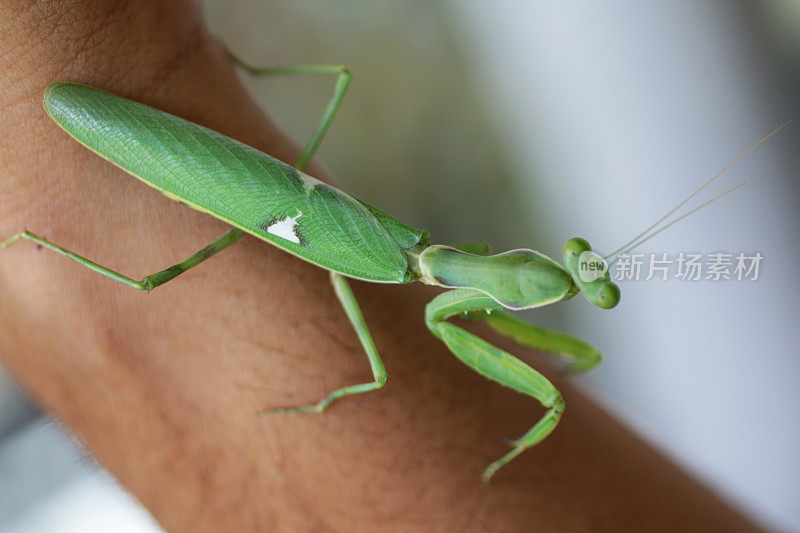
234	234
580	355
353	311
493	363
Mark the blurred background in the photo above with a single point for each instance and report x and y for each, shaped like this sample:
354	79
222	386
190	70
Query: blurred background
524	124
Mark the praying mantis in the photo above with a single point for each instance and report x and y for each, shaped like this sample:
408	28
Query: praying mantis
261	196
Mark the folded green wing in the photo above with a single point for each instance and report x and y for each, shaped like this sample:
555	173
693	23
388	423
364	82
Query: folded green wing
233	182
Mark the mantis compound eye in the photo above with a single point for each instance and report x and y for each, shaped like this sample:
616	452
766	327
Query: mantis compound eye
607	297
589	272
575	247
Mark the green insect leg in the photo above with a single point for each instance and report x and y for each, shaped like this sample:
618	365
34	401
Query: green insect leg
580	356
494	364
341	288
148	282
353	311
342	83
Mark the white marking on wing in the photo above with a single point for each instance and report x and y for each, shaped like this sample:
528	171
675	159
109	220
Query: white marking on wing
285	228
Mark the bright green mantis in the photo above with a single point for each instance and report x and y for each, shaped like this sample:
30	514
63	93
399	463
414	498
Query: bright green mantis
264	197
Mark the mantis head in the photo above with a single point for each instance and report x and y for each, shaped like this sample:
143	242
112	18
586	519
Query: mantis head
590	274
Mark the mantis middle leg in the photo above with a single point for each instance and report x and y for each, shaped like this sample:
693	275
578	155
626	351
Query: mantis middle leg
353	311
340	285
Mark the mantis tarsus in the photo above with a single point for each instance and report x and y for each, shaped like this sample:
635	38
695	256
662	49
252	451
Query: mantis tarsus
264	197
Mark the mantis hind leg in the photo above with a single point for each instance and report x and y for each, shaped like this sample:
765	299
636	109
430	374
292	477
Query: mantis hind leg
344	76
147	283
495	364
353	311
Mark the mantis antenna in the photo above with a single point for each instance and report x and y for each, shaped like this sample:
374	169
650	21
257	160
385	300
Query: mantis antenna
696	209
638	240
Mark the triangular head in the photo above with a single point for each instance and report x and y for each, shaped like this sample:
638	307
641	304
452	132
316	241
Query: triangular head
590	274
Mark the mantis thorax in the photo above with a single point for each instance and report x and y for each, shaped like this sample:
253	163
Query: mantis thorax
517	279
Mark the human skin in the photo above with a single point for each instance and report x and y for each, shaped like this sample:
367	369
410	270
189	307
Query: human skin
163	387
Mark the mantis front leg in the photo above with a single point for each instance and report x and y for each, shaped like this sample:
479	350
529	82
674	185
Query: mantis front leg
579	355
493	363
